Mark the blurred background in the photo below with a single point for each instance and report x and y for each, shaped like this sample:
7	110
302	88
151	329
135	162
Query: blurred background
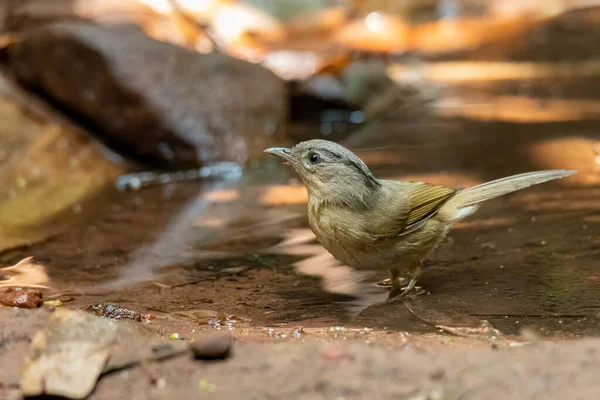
132	132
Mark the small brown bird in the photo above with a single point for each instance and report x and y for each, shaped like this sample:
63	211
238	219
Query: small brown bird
372	224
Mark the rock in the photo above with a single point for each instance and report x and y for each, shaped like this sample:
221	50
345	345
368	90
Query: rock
68	356
159	103
212	347
42	191
22	298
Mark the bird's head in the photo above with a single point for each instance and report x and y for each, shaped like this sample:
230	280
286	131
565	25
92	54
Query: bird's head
329	171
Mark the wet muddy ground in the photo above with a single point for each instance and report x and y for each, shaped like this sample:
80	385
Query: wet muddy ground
237	256
243	247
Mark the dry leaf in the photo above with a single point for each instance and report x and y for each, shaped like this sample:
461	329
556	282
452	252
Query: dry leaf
25	273
68	356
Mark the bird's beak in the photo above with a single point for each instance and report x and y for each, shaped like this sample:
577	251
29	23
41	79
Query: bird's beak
281	152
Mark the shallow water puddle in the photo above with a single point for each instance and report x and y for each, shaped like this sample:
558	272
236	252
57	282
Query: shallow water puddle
243	248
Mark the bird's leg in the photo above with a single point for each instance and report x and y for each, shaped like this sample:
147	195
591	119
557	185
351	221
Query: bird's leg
415	275
396	278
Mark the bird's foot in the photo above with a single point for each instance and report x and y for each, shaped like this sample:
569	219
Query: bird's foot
388	283
394	295
399	294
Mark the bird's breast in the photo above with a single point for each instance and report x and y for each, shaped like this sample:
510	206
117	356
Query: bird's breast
339	232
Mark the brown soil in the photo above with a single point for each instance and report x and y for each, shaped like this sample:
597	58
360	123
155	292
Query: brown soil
339	364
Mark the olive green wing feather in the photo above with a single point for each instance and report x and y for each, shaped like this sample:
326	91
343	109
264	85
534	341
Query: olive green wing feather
424	201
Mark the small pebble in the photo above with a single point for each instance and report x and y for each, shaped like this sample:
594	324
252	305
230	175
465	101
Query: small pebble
438	375
22	298
212	347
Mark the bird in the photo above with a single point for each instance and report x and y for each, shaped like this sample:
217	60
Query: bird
375	224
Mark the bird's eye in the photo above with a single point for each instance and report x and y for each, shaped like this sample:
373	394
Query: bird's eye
314	158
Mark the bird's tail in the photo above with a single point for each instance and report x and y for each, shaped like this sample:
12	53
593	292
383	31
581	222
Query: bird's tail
499	187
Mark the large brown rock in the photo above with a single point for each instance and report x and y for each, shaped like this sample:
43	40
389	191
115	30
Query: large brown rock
160	103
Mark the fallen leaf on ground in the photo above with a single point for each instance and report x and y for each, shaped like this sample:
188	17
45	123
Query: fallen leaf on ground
25	273
116	312
68	356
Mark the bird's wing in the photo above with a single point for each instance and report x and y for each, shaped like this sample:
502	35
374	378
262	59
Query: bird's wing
424	201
